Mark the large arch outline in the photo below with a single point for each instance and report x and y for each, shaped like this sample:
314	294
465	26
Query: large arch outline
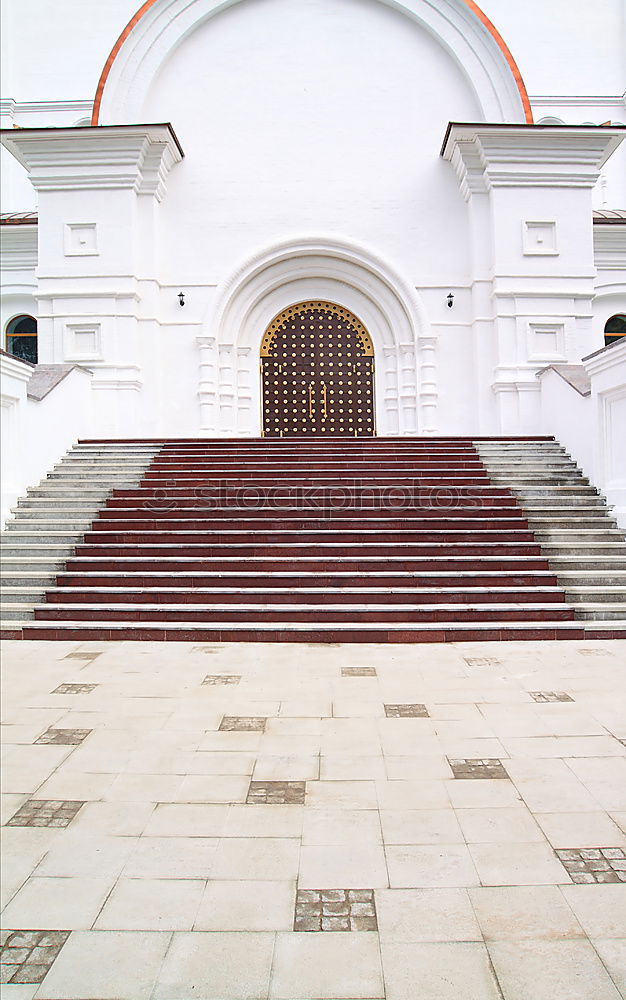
160	26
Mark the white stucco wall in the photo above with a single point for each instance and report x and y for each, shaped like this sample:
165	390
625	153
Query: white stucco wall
332	124
314	120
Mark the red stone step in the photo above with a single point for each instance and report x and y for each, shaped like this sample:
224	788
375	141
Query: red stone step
244	581
405	633
98	561
396	528
426	507
329	550
333	480
241	613
300	595
376	467
326	534
350	496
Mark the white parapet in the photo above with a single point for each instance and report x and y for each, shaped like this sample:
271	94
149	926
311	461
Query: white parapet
45	409
584	406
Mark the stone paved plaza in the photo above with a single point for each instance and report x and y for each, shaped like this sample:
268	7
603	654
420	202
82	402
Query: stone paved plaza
302	822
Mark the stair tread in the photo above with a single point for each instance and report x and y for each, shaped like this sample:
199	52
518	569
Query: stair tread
243	606
325	626
541	528
305	590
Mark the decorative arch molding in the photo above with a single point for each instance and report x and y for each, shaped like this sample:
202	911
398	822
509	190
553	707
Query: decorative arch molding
160	26
330	269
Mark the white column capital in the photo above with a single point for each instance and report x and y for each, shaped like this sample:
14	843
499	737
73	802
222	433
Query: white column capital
490	156
112	157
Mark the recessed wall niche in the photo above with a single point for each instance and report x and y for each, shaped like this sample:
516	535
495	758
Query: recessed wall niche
80	239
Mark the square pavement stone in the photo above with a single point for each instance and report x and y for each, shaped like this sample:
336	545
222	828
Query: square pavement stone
521	912
276	793
443	970
484	768
350	865
516	864
144	904
108	964
249	858
217	965
600	909
335	910
430	866
358	672
315	966
27	956
218	679
551	970
407	915
45	812
233	905
613	954
63	737
406	712
48	903
543	696
577	829
594	864
75	689
242	724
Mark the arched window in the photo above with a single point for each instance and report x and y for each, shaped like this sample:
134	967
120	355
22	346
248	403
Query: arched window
21	338
614	328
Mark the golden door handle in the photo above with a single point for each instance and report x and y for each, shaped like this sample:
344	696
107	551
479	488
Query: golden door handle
325	409
310	399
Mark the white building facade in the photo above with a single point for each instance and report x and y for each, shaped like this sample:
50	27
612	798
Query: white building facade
198	167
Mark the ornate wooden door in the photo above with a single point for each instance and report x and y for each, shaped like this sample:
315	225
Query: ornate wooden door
317	373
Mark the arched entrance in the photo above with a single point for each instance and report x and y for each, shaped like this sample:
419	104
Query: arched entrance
317	373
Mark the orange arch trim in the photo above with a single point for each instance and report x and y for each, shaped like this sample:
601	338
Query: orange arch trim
493	31
506	52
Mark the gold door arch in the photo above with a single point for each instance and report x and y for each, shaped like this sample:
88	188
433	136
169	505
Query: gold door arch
317	373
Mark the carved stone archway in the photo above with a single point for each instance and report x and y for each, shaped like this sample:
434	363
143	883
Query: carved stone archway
326	269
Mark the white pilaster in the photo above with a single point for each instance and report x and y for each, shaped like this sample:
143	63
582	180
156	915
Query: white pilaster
528	190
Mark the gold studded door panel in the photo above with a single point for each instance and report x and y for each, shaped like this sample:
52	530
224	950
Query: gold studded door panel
317	371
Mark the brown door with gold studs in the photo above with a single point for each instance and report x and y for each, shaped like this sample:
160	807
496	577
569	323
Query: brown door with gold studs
317	372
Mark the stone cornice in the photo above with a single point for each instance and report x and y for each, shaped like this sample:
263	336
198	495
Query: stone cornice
15	368
18	247
492	156
607	357
609	247
134	157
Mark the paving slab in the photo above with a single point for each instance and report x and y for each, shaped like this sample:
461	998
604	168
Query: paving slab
314	822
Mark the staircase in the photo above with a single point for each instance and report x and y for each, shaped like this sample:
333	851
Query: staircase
314	540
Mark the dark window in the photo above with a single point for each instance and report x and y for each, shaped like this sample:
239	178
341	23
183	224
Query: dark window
22	338
614	329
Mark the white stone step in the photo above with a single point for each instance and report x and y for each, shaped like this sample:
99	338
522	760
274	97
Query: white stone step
248	592
321	627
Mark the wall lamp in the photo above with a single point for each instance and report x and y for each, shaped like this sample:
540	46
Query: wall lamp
450	300
181	298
